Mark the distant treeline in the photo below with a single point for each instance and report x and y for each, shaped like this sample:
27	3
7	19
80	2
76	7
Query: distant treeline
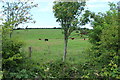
36	28
50	28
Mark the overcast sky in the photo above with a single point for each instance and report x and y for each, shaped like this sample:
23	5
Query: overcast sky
44	17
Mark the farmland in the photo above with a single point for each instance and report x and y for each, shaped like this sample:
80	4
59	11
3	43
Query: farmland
70	52
52	50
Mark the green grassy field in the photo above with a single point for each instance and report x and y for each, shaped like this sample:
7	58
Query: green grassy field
52	50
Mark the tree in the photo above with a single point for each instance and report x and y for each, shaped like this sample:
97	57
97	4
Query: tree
15	65
104	52
67	13
100	21
18	13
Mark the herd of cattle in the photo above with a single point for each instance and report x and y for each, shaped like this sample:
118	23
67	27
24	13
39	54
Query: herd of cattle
83	33
47	39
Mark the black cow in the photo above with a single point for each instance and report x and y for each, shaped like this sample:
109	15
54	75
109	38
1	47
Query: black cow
46	39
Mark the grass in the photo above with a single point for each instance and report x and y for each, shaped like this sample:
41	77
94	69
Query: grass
52	50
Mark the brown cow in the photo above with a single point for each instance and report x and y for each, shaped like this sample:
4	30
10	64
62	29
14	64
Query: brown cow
72	38
39	39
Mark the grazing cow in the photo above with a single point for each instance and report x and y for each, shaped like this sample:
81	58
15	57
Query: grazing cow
46	39
39	39
72	38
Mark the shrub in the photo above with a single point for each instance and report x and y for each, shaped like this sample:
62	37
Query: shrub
14	63
59	69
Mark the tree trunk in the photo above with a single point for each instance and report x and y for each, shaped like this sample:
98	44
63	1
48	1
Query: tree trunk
65	48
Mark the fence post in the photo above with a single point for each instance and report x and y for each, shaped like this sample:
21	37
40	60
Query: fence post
30	51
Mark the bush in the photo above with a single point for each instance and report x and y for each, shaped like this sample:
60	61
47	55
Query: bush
105	48
14	63
59	69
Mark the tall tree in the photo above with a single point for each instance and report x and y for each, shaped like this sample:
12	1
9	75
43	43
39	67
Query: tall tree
67	13
18	13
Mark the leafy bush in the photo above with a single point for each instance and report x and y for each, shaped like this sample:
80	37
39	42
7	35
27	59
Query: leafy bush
59	69
14	63
104	52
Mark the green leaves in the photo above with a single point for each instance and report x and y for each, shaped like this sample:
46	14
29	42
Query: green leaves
111	71
67	11
14	63
104	38
67	14
18	12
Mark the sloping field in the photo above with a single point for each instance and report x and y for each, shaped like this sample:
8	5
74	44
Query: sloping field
45	51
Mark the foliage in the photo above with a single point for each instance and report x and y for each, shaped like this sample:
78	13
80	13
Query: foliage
0	50
14	63
105	49
67	14
17	12
109	40
103	55
85	18
10	53
101	20
70	13
58	69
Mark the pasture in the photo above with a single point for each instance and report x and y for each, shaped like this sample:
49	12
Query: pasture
52	50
